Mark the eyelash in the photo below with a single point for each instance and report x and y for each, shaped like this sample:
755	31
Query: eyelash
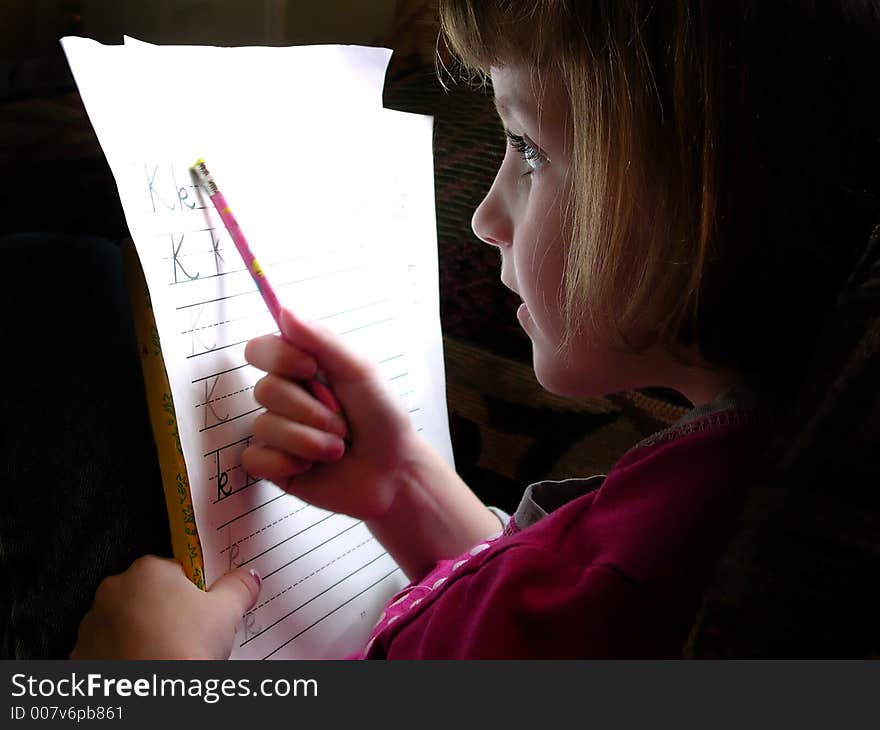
532	157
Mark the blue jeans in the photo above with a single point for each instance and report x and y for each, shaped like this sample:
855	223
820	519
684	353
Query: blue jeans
81	492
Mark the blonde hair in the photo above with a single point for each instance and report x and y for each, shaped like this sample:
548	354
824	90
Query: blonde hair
634	248
690	120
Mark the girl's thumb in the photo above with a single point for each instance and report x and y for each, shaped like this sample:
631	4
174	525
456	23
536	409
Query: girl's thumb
335	359
236	592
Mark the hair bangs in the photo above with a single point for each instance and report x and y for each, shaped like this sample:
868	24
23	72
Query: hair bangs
486	34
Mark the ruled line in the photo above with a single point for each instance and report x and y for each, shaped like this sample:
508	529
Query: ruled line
280	286
341	605
236	491
311	550
222	372
288	539
230	420
245	514
313	598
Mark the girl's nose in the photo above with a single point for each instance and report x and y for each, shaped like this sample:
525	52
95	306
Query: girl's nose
491	222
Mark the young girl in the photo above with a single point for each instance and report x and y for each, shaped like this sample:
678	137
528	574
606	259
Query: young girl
685	186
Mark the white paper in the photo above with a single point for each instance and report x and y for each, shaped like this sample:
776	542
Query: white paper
336	197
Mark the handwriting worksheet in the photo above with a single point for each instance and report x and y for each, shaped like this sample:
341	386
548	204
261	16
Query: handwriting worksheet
336	197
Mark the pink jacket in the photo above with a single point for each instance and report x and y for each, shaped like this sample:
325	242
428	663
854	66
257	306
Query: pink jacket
618	570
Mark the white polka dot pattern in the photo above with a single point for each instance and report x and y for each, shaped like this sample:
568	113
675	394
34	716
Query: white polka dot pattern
411	596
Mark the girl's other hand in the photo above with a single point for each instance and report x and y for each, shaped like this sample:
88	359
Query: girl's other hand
153	611
351	466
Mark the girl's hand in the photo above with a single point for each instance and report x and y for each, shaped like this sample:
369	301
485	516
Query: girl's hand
153	611
308	450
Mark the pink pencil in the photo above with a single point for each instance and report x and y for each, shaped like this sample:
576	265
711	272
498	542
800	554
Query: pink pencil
318	388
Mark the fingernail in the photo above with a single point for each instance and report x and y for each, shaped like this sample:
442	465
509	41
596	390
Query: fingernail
337	447
325	395
338	427
257	577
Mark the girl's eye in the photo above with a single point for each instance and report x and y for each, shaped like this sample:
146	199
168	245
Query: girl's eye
532	157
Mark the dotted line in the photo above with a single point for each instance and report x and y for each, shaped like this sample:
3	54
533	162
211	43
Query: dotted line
208	326
217	253
217	324
231	468
271	524
311	574
228	395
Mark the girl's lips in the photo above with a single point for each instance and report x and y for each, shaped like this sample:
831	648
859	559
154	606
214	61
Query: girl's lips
522	314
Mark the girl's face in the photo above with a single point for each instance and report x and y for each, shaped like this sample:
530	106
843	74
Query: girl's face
523	215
